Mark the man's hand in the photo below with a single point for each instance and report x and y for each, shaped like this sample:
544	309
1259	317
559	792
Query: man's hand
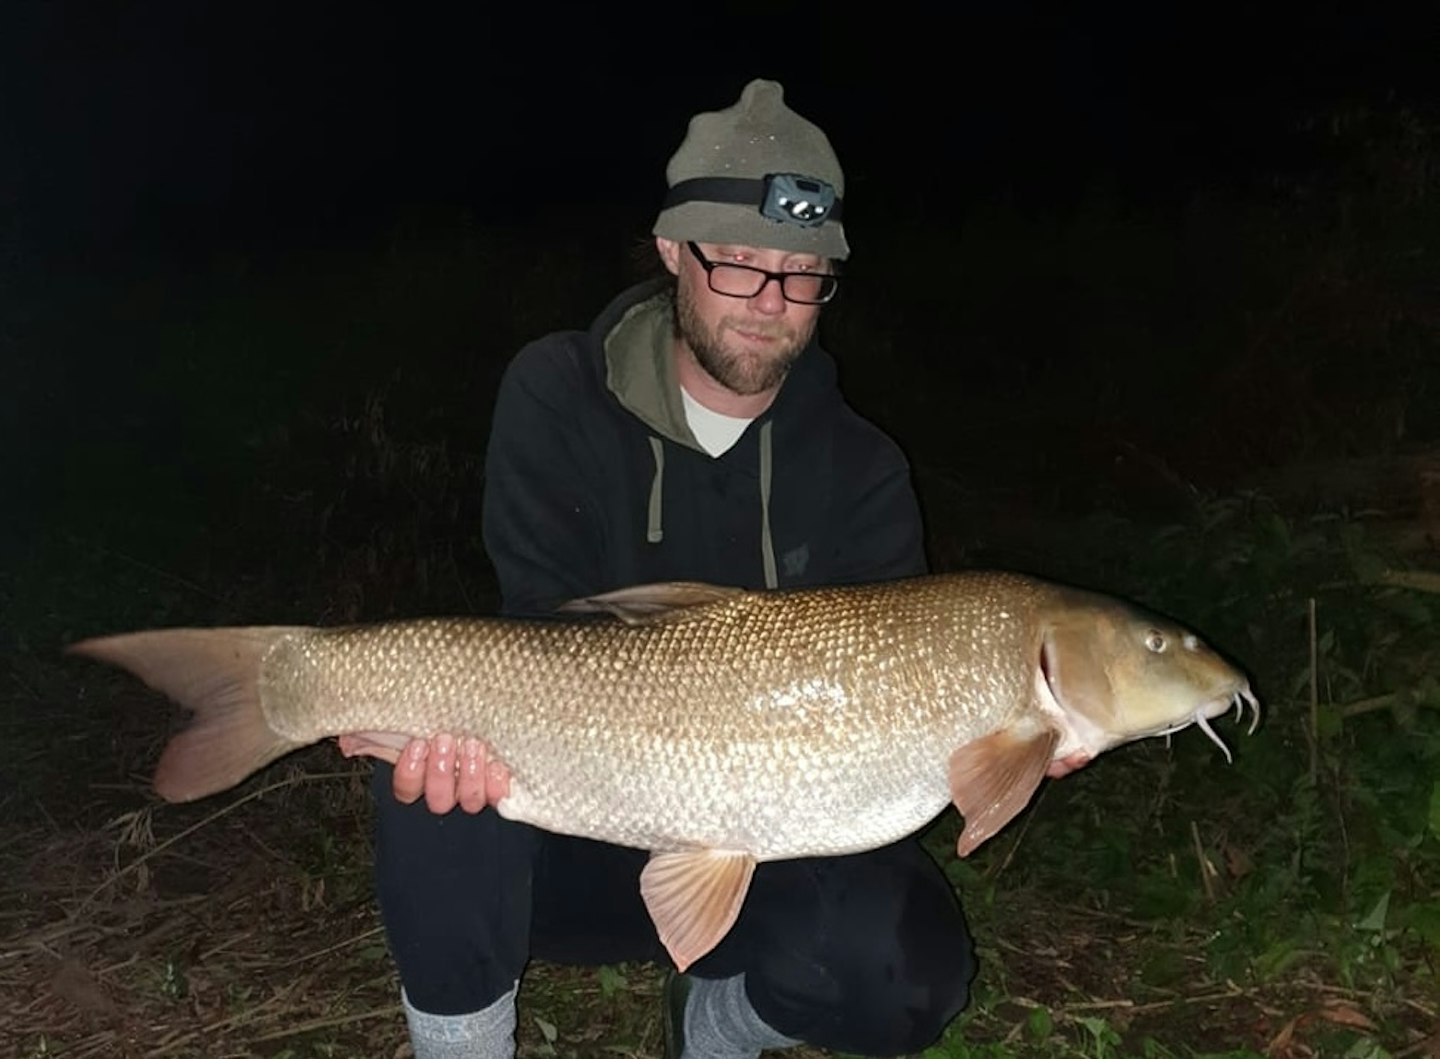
446	770
1067	765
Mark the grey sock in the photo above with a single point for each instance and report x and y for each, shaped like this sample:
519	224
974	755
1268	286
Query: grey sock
485	1034
721	1024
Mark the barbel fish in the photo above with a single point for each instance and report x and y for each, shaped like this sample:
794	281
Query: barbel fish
715	727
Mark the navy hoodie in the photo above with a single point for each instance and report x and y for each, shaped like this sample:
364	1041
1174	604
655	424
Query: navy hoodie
595	482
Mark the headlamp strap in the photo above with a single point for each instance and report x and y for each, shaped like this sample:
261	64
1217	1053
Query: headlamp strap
787	197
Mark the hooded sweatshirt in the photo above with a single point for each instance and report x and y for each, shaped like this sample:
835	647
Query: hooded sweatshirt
594	480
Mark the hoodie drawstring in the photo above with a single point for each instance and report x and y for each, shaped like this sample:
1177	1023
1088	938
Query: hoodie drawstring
767	547
654	528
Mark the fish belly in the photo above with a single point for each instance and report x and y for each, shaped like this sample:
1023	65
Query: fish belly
799	808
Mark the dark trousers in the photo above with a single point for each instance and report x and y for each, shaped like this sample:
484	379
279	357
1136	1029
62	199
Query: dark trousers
866	953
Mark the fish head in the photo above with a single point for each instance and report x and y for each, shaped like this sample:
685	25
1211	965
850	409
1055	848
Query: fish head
1116	673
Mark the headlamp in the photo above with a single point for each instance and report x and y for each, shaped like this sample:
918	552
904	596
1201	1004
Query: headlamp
802	200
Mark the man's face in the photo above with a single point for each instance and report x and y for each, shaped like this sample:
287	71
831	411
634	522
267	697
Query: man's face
745	344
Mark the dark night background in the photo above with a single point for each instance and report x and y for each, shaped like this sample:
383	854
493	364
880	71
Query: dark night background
189	127
235	233
1148	293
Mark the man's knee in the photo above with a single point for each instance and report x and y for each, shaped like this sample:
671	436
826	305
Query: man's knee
902	998
886	1012
892	966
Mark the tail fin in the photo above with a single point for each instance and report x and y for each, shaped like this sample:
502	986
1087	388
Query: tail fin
215	673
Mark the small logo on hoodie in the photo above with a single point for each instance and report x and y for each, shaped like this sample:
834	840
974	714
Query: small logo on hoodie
796	560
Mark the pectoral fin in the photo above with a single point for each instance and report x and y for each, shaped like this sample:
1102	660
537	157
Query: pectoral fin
694	898
993	778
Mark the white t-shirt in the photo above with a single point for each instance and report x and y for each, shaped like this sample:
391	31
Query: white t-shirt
715	432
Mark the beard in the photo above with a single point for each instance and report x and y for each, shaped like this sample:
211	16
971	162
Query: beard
741	371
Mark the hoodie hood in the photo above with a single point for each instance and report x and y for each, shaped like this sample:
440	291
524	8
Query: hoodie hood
637	331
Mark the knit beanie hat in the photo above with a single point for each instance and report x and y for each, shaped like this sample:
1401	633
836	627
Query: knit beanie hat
756	174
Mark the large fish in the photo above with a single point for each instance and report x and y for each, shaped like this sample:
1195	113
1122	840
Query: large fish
715	727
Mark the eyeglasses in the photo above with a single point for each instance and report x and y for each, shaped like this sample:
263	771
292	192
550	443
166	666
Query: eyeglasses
743	281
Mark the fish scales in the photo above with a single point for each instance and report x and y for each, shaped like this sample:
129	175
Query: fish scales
615	732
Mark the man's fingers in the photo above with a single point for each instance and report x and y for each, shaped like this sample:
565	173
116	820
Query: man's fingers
470	780
445	770
1067	765
387	746
497	781
408	782
440	774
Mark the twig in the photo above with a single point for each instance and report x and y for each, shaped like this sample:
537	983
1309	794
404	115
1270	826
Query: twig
1098	1005
1206	868
229	943
1020	835
1229	993
1425	1046
1314	733
1199	998
134	864
159	572
1139	924
337	1020
332	948
1419	580
1379	702
1365	994
25	687
240	1018
1428	1012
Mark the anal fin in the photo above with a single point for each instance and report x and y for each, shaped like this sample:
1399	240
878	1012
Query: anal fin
694	897
993	778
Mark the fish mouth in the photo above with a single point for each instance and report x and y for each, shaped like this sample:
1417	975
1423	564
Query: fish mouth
1238	699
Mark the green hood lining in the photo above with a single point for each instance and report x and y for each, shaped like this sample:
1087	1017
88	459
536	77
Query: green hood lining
640	372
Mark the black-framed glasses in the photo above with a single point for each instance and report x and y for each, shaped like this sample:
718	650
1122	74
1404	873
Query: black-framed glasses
744	281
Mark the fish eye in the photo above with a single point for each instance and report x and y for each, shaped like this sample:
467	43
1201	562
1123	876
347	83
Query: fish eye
1155	640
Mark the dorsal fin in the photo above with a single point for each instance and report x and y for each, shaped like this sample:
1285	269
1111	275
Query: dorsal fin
653	603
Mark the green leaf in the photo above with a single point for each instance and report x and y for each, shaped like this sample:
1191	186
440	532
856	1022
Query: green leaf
612	980
1375	920
1039	1024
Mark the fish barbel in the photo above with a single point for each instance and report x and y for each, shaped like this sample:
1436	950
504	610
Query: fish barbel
714	727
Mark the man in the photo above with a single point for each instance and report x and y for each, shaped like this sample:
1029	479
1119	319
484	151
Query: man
695	432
